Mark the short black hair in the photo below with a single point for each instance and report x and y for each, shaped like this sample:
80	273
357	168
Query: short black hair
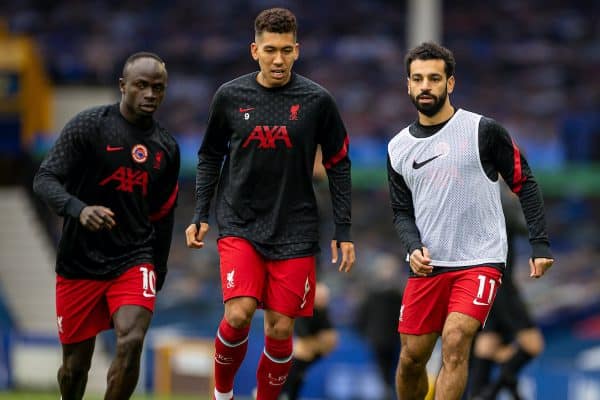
276	20
431	51
136	56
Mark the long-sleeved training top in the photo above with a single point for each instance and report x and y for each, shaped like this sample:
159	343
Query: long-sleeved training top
102	159
259	149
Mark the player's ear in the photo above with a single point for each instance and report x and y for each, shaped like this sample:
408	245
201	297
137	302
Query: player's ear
254	51
122	85
451	83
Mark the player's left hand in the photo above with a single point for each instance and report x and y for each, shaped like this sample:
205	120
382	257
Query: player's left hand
348	256
539	266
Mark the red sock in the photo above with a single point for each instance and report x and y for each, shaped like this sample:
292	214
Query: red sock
230	349
273	368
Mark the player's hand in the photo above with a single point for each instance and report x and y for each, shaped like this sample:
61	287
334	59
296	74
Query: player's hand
539	266
348	256
420	262
194	237
95	218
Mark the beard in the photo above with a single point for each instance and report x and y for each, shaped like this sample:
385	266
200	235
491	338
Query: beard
432	108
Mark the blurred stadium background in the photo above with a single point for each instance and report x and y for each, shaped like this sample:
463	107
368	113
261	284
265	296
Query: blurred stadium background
531	64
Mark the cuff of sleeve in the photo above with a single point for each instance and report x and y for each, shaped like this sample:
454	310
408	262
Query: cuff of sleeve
199	218
541	250
414	246
342	233
74	206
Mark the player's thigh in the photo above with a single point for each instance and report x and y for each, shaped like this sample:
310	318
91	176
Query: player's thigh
459	331
243	269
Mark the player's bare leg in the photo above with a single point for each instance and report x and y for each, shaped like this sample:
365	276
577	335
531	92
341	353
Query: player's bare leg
73	373
411	376
131	324
457	337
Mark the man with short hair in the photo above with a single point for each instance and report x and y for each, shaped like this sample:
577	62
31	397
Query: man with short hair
112	174
443	173
259	146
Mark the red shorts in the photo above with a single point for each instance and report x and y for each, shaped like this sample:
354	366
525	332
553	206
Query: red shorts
427	301
285	286
84	307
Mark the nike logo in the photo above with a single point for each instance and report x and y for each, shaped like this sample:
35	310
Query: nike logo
479	303
417	165
243	110
113	148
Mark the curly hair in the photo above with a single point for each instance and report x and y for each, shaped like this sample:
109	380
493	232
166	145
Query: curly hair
276	20
431	51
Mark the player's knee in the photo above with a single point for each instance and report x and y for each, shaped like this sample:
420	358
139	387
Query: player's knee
410	361
130	346
239	318
455	347
73	372
239	313
281	328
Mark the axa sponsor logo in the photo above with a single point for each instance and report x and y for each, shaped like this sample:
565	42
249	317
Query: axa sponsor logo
128	179
268	137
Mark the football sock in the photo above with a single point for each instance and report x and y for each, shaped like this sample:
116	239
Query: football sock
231	345
273	368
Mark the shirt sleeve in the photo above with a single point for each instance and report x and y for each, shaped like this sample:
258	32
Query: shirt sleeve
403	210
210	157
63	161
334	143
500	153
162	215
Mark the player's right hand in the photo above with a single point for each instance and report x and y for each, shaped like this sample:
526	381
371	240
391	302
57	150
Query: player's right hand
420	262
96	218
194	237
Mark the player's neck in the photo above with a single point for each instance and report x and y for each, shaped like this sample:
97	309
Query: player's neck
141	121
445	113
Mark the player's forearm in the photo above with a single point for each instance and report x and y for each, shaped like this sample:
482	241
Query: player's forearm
163	234
207	176
533	208
340	186
404	223
48	187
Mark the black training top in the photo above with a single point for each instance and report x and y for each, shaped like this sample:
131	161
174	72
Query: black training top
268	138
102	159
